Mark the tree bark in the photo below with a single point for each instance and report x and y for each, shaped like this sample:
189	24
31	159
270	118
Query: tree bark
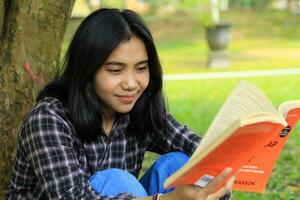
1	15
31	34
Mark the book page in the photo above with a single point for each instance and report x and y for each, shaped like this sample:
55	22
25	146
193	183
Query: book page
245	99
285	107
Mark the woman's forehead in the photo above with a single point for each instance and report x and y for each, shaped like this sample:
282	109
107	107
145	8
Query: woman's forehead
130	50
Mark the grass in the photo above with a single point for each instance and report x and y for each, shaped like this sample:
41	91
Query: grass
259	40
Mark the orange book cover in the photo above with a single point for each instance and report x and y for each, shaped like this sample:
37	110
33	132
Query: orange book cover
247	134
255	173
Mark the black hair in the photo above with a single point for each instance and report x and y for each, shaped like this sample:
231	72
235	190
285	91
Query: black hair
95	39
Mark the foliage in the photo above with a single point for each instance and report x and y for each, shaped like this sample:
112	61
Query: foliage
180	5
113	3
249	3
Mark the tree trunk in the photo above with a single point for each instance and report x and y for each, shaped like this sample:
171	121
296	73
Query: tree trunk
31	34
1	15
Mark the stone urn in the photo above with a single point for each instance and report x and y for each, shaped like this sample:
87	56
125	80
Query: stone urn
218	38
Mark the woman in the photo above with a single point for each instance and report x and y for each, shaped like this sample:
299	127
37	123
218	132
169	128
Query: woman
87	135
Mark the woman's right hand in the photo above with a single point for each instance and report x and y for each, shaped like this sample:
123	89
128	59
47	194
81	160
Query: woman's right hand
192	192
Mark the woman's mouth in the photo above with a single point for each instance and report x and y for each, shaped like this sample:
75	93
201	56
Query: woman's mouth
127	99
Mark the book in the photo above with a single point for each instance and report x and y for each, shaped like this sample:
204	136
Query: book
247	134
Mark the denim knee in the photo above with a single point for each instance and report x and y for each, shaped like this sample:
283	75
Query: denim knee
164	166
175	160
113	181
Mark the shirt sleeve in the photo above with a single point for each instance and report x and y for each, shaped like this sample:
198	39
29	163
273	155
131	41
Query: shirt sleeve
47	141
176	137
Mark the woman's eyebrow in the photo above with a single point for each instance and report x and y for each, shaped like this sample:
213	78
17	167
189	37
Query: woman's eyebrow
115	63
142	62
124	64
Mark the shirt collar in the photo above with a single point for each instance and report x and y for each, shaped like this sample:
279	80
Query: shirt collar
120	125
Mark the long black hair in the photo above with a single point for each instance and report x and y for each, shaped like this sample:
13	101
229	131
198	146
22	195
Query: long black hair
95	39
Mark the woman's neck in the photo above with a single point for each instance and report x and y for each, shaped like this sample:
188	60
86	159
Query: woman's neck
108	122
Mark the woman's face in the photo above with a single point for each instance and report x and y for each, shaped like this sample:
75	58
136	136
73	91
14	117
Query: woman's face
123	77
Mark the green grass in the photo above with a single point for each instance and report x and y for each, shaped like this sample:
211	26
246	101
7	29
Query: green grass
259	40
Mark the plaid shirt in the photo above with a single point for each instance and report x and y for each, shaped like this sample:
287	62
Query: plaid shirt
52	162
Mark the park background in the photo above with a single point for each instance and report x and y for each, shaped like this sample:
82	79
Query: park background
264	35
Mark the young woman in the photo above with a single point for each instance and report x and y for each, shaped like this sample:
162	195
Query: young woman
87	135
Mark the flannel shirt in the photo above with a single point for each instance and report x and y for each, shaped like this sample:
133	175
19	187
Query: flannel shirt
52	162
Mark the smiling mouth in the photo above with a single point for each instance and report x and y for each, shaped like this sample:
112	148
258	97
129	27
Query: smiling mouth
127	99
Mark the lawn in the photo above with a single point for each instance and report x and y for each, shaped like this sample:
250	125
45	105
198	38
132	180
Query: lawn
259	40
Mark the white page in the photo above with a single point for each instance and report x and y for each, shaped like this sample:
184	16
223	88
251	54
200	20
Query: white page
244	99
285	107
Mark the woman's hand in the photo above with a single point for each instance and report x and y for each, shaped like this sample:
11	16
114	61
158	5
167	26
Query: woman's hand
191	192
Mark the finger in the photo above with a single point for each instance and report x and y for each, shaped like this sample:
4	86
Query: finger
223	190
217	195
197	188
220	195
211	187
230	182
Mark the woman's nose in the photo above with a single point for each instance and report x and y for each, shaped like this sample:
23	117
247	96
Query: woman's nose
129	82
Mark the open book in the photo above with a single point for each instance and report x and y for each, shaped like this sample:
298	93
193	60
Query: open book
247	134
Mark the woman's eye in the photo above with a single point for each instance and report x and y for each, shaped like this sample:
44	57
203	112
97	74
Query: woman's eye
114	70
142	68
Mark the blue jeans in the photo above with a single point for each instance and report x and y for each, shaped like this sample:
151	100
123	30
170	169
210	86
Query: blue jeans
111	182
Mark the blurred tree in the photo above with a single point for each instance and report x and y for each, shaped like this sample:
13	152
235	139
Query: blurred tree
294	6
139	6
153	5
31	34
113	4
249	3
93	4
179	5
